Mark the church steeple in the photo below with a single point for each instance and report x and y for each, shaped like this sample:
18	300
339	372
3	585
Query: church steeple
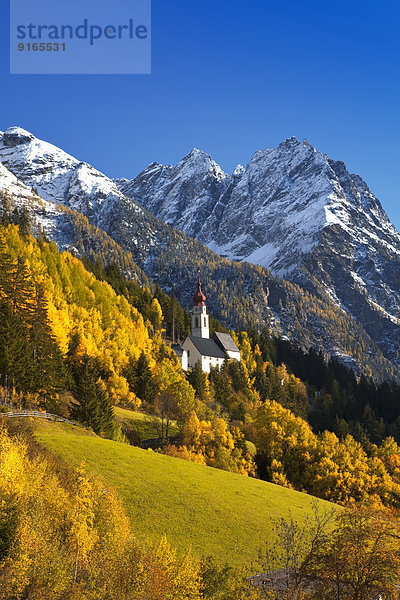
200	324
199	298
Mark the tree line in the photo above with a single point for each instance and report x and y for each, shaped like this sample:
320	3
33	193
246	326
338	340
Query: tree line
78	345
64	535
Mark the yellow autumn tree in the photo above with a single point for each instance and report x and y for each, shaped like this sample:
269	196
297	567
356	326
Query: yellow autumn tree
64	535
110	329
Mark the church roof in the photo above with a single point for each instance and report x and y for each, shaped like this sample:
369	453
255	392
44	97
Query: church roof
178	349
207	347
226	342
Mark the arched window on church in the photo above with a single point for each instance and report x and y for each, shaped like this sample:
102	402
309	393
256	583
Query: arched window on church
197	322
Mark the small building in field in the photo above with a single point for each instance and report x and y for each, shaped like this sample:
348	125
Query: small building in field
182	355
198	346
204	350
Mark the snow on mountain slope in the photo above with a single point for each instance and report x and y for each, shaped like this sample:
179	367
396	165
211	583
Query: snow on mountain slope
59	177
291	209
298	213
37	163
9	182
284	197
193	188
47	216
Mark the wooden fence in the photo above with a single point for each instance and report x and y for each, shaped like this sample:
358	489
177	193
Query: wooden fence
37	413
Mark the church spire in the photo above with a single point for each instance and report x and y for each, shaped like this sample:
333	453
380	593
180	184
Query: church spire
200	324
199	298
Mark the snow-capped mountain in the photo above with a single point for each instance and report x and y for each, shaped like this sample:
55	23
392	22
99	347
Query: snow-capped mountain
189	196
296	212
285	197
60	178
47	215
192	188
291	209
57	176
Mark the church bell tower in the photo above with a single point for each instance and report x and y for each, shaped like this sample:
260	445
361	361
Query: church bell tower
200	324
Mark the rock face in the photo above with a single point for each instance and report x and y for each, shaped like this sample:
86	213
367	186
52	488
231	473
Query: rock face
15	136
60	178
193	189
292	210
285	197
55	174
296	212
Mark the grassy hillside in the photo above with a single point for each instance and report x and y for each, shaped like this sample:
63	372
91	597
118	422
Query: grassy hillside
140	426
215	512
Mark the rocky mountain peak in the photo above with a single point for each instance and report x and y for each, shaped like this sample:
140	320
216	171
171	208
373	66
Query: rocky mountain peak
197	163
238	171
290	142
197	153
15	136
293	210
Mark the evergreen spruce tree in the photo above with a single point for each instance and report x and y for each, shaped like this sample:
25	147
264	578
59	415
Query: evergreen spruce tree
105	410
5	209
198	380
261	383
15	365
15	310
48	371
20	217
140	379
222	387
93	407
16	284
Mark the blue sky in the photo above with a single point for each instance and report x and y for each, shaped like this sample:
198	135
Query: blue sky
230	77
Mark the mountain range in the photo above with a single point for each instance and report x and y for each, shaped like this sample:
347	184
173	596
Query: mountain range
302	215
293	241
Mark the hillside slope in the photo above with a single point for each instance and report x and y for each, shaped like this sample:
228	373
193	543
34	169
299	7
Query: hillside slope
215	512
78	306
302	215
239	294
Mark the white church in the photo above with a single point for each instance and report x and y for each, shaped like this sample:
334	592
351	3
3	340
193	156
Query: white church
198	346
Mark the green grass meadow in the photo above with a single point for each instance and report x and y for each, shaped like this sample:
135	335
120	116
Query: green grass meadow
214	512
141	426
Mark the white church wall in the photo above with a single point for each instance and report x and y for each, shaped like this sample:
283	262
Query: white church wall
184	360
193	354
194	357
234	355
211	361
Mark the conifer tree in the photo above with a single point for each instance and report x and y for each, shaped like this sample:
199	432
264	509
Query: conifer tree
48	373
5	209
198	380
140	379
20	217
93	407
15	309
15	366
